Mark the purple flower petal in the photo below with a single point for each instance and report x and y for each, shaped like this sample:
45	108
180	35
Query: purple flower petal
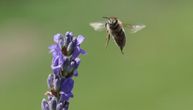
58	37
69	37
75	73
56	84
76	52
55	50
56	69
67	85
52	47
80	39
50	80
56	63
66	105
44	105
59	106
65	96
71	47
83	51
77	60
52	103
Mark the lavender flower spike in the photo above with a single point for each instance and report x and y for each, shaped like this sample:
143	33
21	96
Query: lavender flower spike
65	62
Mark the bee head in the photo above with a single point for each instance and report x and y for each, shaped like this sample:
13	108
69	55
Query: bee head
111	20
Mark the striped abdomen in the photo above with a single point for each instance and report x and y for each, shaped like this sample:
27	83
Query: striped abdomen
118	34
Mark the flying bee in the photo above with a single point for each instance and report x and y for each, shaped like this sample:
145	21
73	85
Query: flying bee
115	29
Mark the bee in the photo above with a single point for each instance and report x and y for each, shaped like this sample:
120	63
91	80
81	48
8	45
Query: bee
115	29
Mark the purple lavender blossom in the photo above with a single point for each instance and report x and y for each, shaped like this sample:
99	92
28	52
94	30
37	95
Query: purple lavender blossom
65	62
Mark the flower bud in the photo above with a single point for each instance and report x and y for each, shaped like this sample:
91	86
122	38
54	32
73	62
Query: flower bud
44	105
69	37
59	106
50	81
56	84
59	39
53	103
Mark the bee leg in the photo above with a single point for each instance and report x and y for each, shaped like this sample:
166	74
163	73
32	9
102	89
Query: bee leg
107	39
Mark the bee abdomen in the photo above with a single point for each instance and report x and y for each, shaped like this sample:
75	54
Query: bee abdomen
120	38
118	34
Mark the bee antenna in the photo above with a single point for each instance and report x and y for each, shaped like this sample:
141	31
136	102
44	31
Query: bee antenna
105	17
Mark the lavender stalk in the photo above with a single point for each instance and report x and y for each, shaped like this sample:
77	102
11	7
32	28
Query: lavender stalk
65	62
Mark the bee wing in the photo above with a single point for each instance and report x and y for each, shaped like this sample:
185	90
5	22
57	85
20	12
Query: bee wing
98	26
134	27
137	27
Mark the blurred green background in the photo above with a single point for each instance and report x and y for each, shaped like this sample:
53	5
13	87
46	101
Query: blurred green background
155	73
